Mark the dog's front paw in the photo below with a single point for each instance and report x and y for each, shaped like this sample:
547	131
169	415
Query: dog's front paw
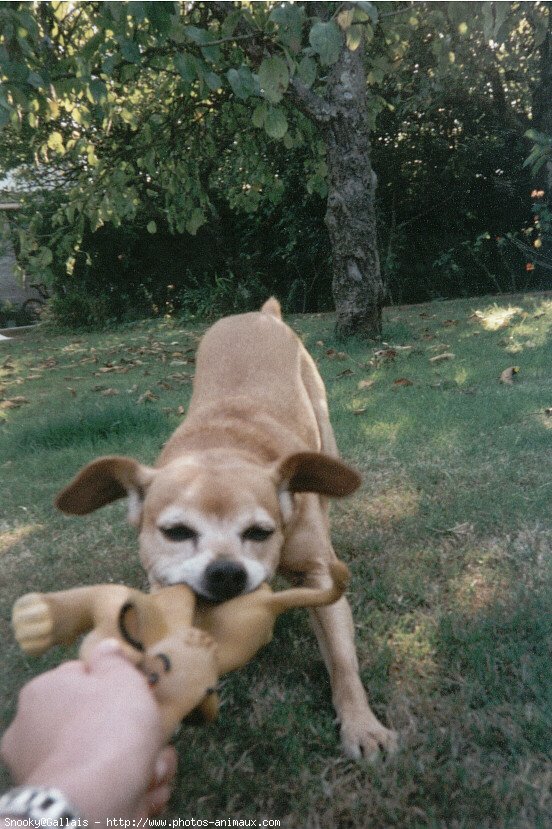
33	624
365	737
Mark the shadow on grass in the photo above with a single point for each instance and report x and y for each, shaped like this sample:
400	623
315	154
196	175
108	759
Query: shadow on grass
91	424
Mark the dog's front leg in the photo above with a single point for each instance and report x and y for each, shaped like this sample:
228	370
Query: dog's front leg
362	735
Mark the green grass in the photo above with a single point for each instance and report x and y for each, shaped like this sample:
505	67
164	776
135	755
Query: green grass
449	542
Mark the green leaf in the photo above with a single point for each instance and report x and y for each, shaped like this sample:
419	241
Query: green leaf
109	64
196	35
162	15
259	115
34	79
98	90
116	9
274	78
185	65
130	51
243	82
203	38
45	257
195	221
345	18
137	11
370	10
212	80
494	18
55	142
289	19
307	71
3	100
538	137
327	40
354	37
151	227
275	123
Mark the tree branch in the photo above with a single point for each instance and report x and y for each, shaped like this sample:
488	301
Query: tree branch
311	104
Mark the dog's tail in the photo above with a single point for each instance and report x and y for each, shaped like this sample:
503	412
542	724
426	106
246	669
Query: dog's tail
272	308
312	596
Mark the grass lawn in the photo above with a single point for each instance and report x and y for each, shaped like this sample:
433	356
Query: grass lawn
449	542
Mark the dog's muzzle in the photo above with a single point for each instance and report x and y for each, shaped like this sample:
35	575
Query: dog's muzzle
224	579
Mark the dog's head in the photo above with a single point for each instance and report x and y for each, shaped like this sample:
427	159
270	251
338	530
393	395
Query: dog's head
213	522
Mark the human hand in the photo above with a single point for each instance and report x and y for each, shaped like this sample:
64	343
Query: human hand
93	730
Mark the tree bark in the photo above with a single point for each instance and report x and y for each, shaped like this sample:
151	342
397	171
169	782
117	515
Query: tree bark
542	121
357	284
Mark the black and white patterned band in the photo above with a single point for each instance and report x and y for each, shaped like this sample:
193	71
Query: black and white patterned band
42	807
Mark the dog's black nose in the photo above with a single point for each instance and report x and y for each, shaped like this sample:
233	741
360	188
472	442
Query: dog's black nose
224	579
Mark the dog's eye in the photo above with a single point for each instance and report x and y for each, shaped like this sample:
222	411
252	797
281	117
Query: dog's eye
180	532
256	533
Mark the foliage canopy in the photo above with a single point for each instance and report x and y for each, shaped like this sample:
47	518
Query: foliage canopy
191	123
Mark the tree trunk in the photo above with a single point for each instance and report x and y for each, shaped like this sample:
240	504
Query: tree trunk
542	121
357	285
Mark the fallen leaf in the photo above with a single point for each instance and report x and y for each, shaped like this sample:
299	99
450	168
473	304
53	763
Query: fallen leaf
508	375
385	354
360	411
14	403
72	392
448	323
441	357
181	410
346	373
147	397
403	381
548	411
365	384
332	354
110	392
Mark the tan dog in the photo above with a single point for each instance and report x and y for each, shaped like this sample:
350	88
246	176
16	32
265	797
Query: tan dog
238	492
181	643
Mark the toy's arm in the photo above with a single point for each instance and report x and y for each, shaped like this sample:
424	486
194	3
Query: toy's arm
308	596
42	620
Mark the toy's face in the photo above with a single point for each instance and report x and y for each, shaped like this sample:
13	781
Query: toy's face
182	671
217	528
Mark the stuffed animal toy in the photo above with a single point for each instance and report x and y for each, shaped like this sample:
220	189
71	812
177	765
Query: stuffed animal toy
182	644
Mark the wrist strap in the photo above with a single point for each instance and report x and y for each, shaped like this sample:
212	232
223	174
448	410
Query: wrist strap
44	807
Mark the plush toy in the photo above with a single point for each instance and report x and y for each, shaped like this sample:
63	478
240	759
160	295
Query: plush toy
181	643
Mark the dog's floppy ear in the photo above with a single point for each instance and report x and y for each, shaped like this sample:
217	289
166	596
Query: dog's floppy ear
316	472
103	481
